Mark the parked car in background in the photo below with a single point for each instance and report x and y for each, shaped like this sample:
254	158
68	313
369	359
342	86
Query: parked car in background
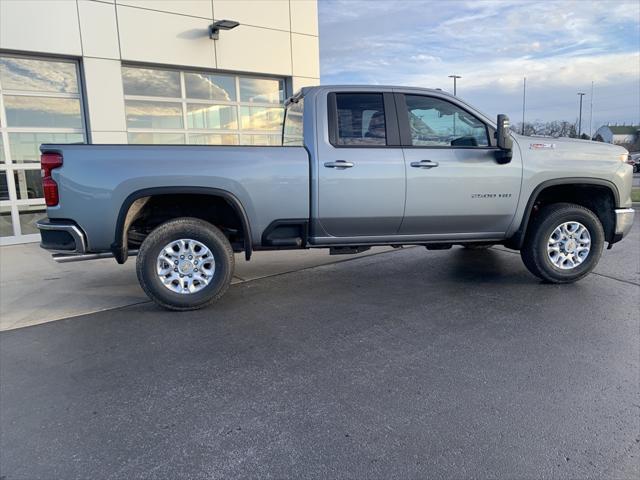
359	166
634	161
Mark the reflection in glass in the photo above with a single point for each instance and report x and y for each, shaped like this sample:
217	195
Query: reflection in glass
6	227
141	114
210	87
261	118
42	112
261	90
4	186
153	83
212	116
271	140
29	215
28	184
32	75
156	138
25	147
212	139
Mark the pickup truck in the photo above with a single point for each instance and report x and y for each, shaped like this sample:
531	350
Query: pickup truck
359	166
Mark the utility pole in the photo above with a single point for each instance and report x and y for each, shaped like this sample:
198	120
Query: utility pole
580	94
591	112
524	96
455	77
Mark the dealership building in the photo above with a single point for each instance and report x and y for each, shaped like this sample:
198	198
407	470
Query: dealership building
142	71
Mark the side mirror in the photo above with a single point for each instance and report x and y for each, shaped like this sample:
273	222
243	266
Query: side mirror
504	140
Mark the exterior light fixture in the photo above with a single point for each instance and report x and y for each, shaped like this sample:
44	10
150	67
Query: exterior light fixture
215	27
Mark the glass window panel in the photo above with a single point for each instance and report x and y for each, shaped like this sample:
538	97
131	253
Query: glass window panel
293	127
2	159
25	147
210	87
4	186
261	90
151	82
261	118
141	114
156	138
268	140
6	225
436	122
29	215
212	139
361	119
32	75
41	112
212	116
28	184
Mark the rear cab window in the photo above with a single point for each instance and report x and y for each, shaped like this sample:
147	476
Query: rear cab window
293	127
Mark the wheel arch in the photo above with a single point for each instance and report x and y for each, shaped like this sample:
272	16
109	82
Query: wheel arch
136	200
517	239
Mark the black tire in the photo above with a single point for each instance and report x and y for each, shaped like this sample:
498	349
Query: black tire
534	251
185	228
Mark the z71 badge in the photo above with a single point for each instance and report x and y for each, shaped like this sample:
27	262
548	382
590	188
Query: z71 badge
540	146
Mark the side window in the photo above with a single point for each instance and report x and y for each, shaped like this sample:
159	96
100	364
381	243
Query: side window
293	132
361	119
437	123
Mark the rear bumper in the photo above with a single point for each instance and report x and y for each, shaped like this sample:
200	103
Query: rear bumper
62	236
624	221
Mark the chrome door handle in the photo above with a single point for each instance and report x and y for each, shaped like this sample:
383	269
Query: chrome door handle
424	164
339	164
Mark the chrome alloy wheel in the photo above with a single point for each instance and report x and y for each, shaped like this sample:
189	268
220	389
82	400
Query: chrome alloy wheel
569	245
185	266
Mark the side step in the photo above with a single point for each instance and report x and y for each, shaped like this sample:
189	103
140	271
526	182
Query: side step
347	250
79	257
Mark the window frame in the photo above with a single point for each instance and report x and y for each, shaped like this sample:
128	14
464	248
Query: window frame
405	129
390	119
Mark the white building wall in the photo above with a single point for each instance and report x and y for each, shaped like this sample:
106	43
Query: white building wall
275	37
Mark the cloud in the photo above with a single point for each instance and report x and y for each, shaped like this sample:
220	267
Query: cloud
557	45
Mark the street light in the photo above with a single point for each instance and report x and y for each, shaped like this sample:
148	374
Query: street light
580	115
455	77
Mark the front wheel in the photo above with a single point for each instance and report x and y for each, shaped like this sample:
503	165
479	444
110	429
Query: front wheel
563	244
185	264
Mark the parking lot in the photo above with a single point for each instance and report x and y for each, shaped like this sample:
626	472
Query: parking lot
404	364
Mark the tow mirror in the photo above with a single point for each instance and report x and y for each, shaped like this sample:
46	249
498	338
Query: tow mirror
504	140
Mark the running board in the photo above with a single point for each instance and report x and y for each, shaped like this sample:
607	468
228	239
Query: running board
79	257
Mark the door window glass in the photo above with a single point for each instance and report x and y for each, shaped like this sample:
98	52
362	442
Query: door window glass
361	119
437	123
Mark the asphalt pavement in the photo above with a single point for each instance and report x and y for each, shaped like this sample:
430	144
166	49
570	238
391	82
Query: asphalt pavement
404	364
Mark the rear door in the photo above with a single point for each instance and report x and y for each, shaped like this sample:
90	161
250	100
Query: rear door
454	184
361	172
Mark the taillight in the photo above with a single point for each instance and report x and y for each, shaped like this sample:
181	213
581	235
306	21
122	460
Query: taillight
49	161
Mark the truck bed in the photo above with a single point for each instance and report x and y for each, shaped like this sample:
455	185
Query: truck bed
270	182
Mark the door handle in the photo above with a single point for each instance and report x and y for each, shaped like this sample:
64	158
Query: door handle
424	164
339	164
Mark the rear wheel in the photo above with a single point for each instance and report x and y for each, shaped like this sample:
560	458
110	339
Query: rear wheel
563	244
185	264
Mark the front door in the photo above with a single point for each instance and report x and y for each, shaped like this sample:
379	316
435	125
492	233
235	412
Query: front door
454	184
361	174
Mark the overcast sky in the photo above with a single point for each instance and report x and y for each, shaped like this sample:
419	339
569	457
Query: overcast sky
560	46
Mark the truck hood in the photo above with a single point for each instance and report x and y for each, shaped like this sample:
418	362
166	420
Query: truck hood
569	148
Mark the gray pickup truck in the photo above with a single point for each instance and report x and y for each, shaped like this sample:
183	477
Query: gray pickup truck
359	166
